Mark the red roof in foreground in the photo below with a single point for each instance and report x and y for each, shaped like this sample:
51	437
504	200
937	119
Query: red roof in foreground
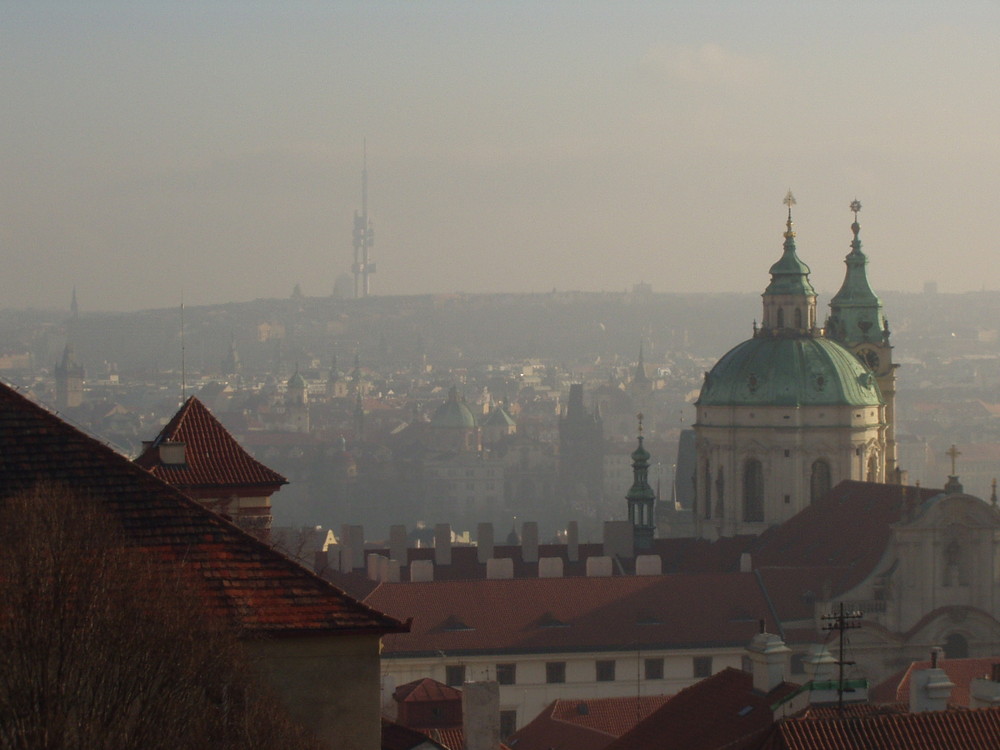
212	455
426	689
584	724
721	711
532	615
935	730
240	577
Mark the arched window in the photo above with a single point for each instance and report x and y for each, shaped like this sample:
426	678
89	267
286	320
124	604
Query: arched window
872	475
798	317
753	491
708	492
819	480
956	647
955	573
781	317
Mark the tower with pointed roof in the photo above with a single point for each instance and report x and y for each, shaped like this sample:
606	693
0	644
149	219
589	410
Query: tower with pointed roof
581	452
69	380
297	403
787	414
858	323
641	498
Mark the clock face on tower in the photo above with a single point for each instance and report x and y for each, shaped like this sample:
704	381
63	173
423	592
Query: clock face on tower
870	358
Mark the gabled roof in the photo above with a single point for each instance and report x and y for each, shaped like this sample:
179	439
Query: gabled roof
546	615
397	737
933	730
826	534
721	711
584	724
426	690
213	457
239	577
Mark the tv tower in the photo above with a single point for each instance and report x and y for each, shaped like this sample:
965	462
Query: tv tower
364	238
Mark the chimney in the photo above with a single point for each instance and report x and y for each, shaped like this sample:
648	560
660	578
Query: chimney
648	565
746	563
598	567
573	542
484	542
481	715
172	453
397	543
820	664
442	544
421	571
499	567
619	539
984	692
529	542
550	567
769	657
930	689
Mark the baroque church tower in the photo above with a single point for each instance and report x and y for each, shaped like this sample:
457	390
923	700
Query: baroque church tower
857	322
792	411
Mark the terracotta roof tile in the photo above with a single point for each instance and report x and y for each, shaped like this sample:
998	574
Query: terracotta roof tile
397	737
531	615
240	577
936	730
212	455
962	672
720	711
564	725
426	689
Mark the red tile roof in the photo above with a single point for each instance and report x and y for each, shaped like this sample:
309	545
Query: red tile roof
962	672
426	689
533	615
721	711
213	457
397	737
239	577
826	534
584	724
938	730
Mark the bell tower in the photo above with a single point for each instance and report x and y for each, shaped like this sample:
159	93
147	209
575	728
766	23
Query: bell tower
857	322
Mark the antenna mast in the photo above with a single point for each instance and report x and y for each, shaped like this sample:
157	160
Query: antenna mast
842	621
364	238
183	368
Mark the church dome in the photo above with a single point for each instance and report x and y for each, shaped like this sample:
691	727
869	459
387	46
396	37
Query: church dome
789	371
453	413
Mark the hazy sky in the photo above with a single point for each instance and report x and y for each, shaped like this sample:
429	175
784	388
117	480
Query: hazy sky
213	149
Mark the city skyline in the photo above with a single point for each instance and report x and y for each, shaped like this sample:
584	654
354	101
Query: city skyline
157	153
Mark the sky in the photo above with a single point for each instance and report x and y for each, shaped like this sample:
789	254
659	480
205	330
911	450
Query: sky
209	152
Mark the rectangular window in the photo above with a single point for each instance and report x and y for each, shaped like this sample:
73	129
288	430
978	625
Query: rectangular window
654	669
506	674
702	666
508	723
555	672
454	675
605	670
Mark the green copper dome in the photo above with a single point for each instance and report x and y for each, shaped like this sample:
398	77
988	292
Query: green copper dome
856	311
453	413
789	371
297	381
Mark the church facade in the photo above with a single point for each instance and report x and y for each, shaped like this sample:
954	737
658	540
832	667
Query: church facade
798	407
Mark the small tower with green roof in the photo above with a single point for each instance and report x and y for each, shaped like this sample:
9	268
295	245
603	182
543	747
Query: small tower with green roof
641	498
789	300
857	323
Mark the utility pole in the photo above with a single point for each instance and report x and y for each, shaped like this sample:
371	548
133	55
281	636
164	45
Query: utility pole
842	621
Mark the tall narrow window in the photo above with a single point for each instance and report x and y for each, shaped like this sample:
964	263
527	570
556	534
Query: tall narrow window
753	491
872	469
798	317
720	494
781	317
819	480
708	491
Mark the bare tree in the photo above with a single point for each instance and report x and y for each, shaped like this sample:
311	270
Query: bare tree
103	644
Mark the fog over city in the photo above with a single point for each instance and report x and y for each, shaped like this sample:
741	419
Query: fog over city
155	151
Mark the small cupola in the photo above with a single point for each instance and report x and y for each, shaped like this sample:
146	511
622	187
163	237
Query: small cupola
789	300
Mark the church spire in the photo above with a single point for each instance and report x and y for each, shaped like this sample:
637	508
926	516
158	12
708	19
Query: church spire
789	300
856	311
641	497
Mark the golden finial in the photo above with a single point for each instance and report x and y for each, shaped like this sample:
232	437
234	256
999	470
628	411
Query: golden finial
855	207
789	201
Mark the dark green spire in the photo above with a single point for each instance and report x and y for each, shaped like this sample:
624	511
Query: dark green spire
856	311
790	275
641	497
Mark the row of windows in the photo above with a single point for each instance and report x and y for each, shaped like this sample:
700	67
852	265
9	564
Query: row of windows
753	488
604	671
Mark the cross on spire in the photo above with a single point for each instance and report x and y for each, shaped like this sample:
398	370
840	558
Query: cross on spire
953	453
